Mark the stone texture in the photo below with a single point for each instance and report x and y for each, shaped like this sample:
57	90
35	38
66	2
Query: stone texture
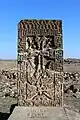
43	113
40	63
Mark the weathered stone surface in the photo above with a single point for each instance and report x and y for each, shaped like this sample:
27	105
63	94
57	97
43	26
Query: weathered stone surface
40	63
43	113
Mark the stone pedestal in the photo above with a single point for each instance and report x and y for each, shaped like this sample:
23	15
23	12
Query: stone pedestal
43	113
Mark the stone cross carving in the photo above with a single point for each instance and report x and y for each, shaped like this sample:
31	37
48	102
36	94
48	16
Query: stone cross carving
40	63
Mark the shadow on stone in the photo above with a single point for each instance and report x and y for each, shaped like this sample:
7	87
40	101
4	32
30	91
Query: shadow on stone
12	107
4	116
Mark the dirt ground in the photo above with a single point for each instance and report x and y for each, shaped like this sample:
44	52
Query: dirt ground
7	64
72	68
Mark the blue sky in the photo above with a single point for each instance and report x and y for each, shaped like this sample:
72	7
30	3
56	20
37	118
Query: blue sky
12	11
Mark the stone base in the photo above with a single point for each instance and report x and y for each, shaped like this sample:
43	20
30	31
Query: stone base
43	113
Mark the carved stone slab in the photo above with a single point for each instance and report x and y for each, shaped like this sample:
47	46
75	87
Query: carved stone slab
40	63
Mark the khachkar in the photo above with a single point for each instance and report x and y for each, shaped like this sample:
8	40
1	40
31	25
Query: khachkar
40	63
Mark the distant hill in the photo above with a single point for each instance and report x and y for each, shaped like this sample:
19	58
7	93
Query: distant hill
71	60
68	60
8	59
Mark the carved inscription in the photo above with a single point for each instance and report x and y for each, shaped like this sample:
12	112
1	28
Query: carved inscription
37	113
